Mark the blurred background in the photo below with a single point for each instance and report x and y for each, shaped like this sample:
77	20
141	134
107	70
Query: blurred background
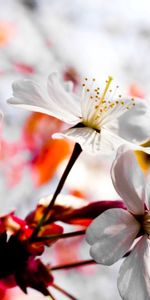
80	38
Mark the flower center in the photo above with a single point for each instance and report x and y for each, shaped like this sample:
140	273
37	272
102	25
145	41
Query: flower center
98	104
146	222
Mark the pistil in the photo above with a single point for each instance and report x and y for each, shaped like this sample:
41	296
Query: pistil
108	82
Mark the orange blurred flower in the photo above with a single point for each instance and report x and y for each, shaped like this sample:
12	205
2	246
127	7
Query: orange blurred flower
136	91
39	128
47	153
46	163
7	30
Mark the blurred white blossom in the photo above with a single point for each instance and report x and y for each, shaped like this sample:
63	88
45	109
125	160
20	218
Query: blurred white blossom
112	234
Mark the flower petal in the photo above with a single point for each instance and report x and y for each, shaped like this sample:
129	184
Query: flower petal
31	96
134	275
88	138
111	235
134	124
67	101
111	134
115	111
94	142
128	180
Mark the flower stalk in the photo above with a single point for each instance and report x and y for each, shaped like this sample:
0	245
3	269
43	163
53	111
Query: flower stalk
51	296
74	265
64	292
75	154
79	264
60	236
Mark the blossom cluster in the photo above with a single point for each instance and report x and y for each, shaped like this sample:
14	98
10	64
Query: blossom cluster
100	121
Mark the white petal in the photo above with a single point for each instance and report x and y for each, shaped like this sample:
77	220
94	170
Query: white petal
91	141
134	275
88	138
112	134
116	111
31	96
134	125
67	101
111	235
128	181
114	141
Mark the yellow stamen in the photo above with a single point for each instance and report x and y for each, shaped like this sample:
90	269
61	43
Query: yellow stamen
111	105
108	82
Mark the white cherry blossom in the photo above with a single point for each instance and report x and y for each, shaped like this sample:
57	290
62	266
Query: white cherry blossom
100	121
112	234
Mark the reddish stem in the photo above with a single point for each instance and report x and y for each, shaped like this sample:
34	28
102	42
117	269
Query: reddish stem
74	265
60	236
79	264
75	154
64	292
